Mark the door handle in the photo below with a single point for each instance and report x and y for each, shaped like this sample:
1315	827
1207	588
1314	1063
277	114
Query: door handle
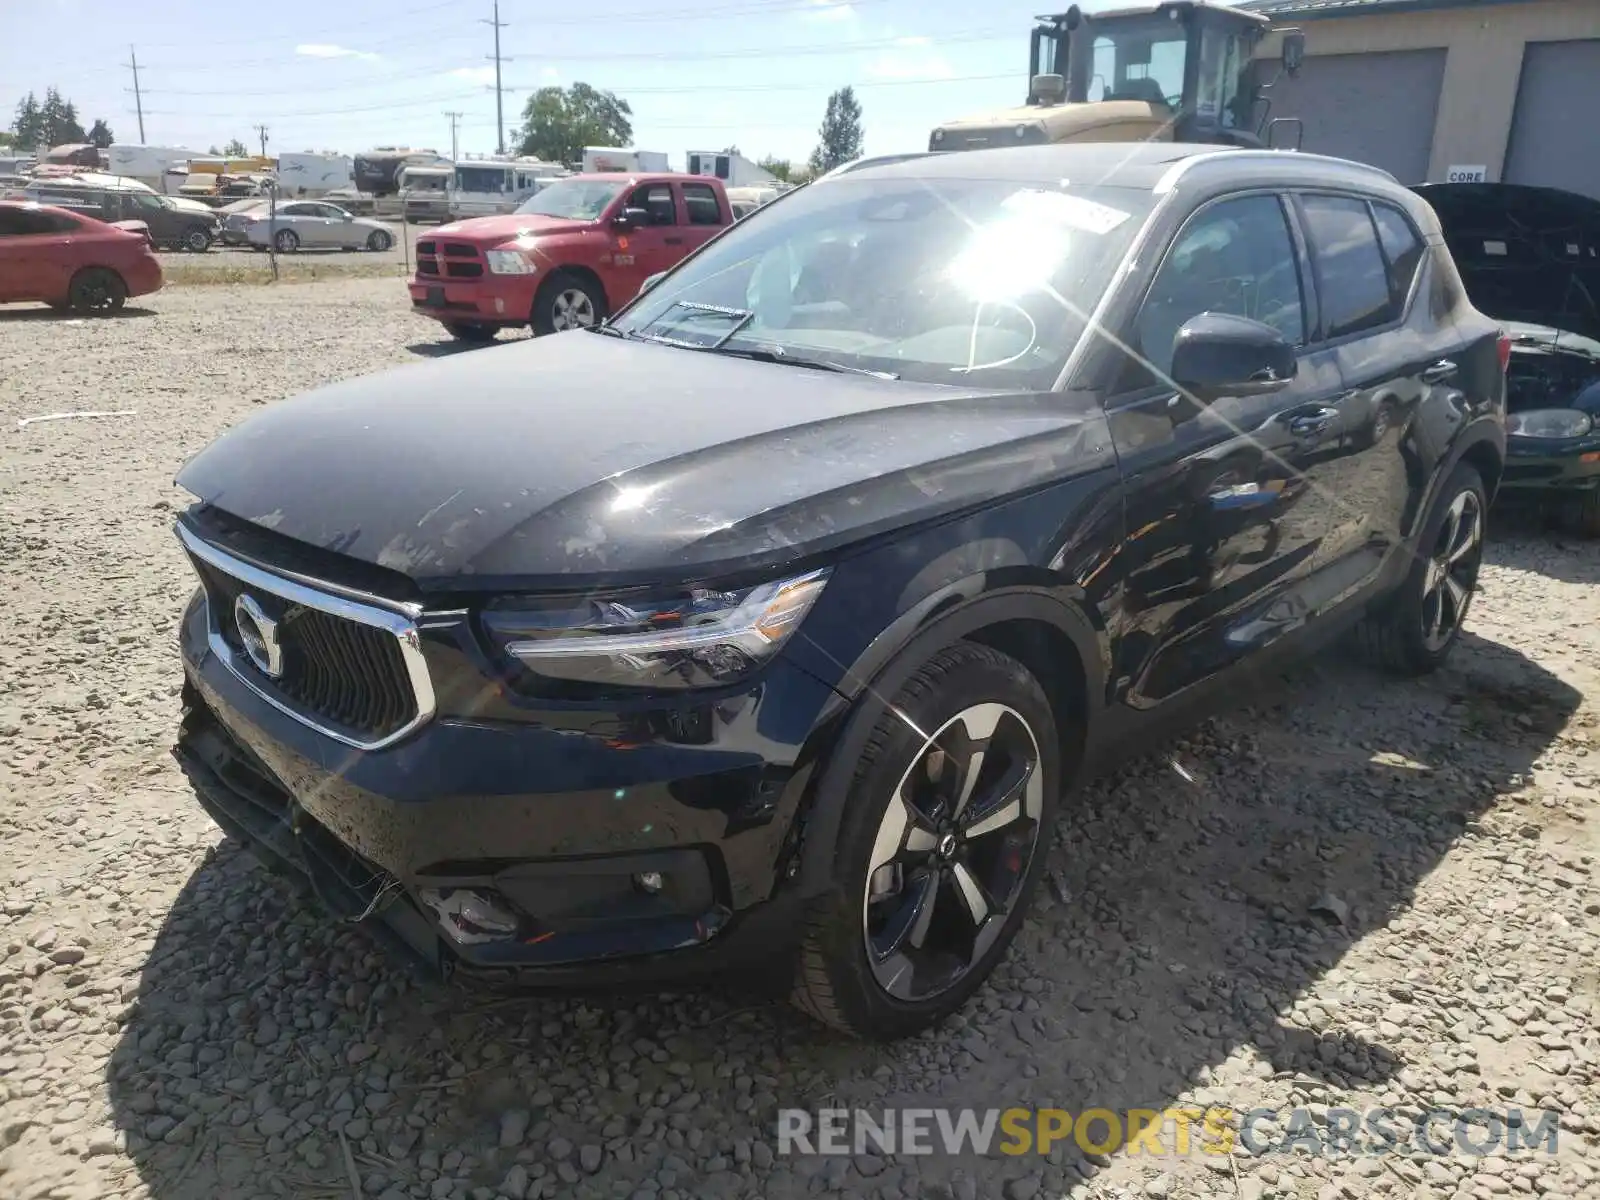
1309	424
1439	372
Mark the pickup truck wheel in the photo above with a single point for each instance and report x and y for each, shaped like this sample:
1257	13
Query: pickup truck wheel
197	239
567	301
96	291
466	332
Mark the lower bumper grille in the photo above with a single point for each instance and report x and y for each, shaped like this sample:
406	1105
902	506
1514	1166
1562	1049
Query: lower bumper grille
352	671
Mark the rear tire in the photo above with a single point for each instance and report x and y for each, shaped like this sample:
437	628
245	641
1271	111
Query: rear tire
287	241
567	301
197	240
379	241
1414	630
897	945
96	292
477	335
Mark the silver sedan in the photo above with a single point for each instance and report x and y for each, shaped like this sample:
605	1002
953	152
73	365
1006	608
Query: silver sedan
315	225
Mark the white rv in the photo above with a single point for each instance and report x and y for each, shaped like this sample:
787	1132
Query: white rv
313	175
612	159
150	165
484	187
735	170
426	192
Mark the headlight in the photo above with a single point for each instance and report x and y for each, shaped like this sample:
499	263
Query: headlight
508	262
1550	423
697	638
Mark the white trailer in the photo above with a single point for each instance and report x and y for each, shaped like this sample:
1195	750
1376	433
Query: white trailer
150	165
313	175
483	187
735	170
614	159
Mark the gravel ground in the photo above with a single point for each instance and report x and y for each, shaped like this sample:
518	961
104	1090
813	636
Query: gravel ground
1353	892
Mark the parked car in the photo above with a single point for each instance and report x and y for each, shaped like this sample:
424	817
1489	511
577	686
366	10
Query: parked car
315	225
71	261
236	217
1531	257
567	257
835	558
109	201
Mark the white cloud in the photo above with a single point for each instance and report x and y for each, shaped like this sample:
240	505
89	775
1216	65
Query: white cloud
550	74
913	41
914	62
834	11
327	50
473	74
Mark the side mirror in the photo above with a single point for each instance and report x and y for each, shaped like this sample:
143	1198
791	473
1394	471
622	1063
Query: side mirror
650	281
348	217
631	218
1294	52
1216	354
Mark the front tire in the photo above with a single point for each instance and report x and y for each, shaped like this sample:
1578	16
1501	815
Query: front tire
1580	513
566	301
379	241
1416	628
96	292
197	240
287	241
944	836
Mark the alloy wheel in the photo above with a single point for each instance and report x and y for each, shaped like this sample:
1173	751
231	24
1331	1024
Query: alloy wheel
573	309
1452	571
952	851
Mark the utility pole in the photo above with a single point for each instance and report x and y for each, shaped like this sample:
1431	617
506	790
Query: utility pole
138	98
499	96
455	132
262	130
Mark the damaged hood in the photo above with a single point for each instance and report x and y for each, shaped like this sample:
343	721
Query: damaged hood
579	458
1525	254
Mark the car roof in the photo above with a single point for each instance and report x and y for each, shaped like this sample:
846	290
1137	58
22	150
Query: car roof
1142	165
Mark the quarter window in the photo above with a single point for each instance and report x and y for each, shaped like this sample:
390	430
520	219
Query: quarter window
1403	250
701	201
1354	278
1234	257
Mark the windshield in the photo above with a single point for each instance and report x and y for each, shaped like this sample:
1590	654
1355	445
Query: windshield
574	199
985	282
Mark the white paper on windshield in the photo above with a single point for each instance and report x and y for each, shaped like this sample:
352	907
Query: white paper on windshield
1060	208
1498	249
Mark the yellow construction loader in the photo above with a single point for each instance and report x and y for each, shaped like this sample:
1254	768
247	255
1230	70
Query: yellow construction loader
1180	70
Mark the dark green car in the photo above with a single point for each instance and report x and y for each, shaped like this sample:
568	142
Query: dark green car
1530	257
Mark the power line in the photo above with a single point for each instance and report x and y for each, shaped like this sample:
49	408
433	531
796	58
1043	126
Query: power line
138	100
499	92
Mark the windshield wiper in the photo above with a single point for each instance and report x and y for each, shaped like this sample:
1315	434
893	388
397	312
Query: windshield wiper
776	355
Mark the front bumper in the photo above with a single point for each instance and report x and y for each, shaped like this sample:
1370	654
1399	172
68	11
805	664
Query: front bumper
1552	464
500	300
556	825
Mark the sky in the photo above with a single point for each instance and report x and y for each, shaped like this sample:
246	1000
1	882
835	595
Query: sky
346	77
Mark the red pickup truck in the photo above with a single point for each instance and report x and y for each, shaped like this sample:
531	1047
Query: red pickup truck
568	257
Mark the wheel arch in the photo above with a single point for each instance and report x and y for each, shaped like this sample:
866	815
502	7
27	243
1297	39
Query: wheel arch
1051	635
590	276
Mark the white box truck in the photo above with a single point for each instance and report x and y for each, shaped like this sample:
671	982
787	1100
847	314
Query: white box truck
615	159
735	170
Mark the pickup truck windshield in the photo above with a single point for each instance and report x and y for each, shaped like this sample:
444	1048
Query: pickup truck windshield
574	199
961	281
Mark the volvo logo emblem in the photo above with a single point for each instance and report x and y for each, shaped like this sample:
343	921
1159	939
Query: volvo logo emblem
259	634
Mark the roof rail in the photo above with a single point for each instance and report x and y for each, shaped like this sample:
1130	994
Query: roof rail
1176	172
877	160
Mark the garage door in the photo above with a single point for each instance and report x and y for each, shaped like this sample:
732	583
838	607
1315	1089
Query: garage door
1555	139
1375	108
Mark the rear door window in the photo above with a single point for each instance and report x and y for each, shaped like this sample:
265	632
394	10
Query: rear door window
1351	270
701	201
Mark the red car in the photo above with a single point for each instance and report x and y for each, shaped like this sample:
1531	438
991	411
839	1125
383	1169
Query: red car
70	261
570	256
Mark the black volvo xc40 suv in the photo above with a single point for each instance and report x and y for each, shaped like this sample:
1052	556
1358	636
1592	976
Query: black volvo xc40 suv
777	616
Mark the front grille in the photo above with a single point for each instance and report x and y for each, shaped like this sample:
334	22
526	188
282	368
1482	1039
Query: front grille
347	676
461	259
463	270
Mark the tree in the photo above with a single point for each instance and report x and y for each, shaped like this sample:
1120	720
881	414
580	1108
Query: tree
779	168
7	140
557	124
840	132
53	123
731	150
236	149
100	135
